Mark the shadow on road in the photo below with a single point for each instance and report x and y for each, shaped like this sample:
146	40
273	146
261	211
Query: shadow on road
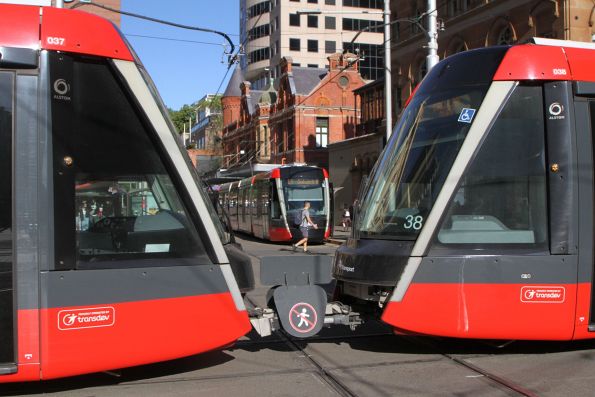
141	373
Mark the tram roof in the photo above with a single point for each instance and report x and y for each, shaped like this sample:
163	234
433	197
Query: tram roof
548	59
60	29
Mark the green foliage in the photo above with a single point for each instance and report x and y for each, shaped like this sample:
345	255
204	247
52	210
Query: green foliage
182	116
214	104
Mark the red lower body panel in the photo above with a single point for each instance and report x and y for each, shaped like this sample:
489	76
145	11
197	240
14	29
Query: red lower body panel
279	234
583	310
486	311
135	333
28	347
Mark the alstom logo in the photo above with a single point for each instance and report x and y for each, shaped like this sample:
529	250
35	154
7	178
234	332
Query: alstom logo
539	294
92	317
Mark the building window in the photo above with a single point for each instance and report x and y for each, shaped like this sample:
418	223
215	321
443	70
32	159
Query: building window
456	7
258	9
312	45
280	139
258	32
372	65
329	2
330	47
259	55
321	131
505	36
277	47
296	64
313	1
330	23
294	20
312	65
361	24
312	21
364	3
290	135
294	44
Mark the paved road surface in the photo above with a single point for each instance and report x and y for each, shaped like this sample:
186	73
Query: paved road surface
338	362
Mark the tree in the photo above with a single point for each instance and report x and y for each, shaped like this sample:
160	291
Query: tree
182	116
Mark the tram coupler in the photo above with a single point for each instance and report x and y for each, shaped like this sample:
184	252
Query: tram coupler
300	287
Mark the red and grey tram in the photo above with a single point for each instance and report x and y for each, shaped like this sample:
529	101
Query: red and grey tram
478	219
109	255
265	205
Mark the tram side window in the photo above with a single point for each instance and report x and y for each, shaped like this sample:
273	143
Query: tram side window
502	197
110	179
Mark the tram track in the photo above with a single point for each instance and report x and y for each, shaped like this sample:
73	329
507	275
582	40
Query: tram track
502	381
327	377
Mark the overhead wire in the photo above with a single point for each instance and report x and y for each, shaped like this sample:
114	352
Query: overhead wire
161	21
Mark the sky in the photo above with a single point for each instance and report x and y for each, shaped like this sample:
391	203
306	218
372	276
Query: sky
185	65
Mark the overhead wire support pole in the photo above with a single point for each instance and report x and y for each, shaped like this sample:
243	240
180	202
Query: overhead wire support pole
387	72
177	25
432	33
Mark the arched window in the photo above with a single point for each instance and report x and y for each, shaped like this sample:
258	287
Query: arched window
455	46
505	36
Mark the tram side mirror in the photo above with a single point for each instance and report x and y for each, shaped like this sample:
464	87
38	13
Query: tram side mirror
19	58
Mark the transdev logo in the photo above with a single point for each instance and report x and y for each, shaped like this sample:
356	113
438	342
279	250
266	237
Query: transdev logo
535	294
92	317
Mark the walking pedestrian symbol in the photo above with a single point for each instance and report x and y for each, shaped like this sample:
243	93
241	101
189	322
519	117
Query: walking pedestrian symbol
302	317
466	115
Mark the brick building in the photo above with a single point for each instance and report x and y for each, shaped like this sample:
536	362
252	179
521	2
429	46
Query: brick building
479	23
293	119
112	16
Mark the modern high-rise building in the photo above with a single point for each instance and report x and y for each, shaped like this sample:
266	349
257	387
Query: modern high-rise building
308	31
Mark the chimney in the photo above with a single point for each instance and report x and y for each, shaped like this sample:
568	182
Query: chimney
245	88
286	64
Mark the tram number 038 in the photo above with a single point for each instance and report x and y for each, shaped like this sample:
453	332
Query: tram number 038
413	222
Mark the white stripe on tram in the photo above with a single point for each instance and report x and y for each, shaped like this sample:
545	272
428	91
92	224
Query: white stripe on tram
493	102
141	91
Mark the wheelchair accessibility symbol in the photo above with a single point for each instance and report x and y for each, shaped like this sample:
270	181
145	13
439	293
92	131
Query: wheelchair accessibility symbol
466	115
302	317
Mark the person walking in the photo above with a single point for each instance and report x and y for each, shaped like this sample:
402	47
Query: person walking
346	220
304	226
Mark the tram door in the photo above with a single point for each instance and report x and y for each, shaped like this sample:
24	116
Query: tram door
7	304
589	262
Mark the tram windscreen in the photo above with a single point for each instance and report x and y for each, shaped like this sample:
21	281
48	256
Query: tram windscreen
305	186
425	143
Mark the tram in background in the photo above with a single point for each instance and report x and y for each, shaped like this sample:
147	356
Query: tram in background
110	250
477	221
265	205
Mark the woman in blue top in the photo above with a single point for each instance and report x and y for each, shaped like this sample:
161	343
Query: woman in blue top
304	225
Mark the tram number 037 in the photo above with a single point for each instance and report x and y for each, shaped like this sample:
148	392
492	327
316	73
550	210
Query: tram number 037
55	40
413	222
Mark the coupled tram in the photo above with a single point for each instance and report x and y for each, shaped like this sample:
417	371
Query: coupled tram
265	205
110	253
478	219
